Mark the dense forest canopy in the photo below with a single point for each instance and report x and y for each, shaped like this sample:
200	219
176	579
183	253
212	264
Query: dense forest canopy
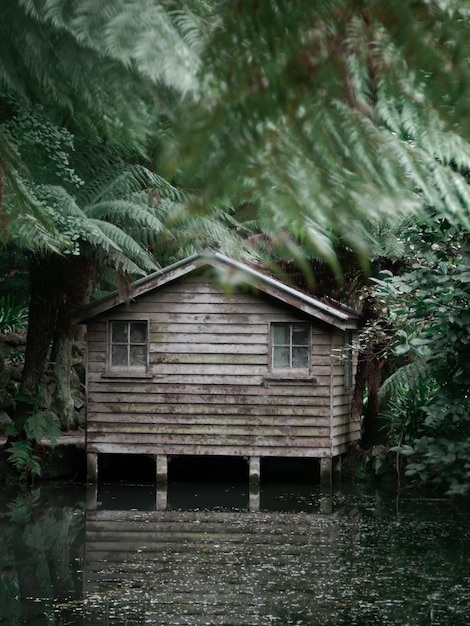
133	132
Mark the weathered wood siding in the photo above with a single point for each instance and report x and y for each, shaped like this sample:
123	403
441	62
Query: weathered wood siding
343	429
208	388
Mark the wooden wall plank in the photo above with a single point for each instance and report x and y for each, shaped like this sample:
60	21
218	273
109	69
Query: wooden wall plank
322	449
321	418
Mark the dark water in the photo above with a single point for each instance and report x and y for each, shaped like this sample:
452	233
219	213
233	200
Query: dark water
216	553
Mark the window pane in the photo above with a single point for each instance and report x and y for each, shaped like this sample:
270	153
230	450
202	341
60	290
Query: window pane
119	355
299	334
138	332
281	334
281	357
128	344
300	357
138	355
119	332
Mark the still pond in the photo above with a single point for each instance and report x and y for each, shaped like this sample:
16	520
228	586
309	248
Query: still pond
219	553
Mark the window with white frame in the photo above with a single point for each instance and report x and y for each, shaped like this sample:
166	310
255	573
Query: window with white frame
290	346
128	345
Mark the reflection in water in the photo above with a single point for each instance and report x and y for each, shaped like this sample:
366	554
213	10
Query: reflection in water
41	552
201	553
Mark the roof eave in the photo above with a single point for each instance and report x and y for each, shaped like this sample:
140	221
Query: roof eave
313	307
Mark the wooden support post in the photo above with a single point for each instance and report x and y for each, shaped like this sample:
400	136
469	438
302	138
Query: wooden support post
254	498
326	472
161	500
162	468
92	467
254	470
92	497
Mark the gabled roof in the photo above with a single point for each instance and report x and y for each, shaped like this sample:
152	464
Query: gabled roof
338	316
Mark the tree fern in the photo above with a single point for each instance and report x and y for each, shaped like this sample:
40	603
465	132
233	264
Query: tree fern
120	246
335	112
22	213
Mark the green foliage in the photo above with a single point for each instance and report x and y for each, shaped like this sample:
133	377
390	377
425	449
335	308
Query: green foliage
20	509
43	534
47	145
111	191
323	115
330	115
22	451
142	58
129	48
23	215
9	588
430	307
21	456
13	317
403	413
14	274
41	425
40	540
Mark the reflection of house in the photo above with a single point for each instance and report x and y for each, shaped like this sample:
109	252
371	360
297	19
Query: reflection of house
188	367
211	567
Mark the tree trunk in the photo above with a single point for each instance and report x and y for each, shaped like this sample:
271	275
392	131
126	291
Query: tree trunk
63	401
41	323
368	381
58	285
372	431
77	279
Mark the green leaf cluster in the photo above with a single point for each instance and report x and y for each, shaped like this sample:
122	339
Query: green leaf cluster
22	450
334	115
13	316
21	456
430	307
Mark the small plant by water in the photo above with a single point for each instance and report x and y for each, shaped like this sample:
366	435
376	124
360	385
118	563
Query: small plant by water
22	449
13	317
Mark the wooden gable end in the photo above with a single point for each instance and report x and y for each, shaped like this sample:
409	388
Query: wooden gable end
230	273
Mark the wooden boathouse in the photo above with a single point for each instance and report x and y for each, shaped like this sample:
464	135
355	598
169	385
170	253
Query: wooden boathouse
191	367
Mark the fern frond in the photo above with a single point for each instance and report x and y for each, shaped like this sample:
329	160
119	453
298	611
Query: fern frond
42	425
119	244
125	212
21	508
21	456
408	376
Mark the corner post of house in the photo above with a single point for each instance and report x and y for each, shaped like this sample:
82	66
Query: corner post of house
92	467
161	466
326	473
254	470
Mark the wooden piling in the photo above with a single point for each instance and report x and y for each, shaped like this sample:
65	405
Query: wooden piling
161	462
326	472
92	467
254	470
